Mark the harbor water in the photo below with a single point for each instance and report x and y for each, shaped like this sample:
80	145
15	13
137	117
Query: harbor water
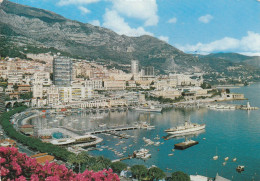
228	133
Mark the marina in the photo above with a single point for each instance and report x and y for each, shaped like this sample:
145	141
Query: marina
226	130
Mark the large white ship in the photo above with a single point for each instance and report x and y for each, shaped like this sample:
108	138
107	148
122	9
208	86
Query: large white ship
186	128
149	109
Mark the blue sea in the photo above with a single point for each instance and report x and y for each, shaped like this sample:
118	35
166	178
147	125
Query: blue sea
228	133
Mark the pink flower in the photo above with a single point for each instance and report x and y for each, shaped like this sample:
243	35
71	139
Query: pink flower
34	177
21	178
15	164
4	171
2	160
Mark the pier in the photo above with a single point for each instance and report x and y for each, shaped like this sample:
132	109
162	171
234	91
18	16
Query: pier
121	159
114	129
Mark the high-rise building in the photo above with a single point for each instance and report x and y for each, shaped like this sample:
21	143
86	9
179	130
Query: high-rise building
134	66
2	100
62	71
149	71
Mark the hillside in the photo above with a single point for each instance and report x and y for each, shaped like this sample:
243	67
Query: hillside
237	58
25	29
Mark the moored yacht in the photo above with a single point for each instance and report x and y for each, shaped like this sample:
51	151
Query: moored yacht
141	153
186	128
149	109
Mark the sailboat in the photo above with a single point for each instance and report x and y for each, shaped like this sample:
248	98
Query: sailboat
216	156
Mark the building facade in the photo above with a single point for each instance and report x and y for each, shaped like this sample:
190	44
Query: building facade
62	71
134	66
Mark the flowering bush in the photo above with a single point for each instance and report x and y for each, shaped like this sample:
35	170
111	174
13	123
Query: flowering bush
19	167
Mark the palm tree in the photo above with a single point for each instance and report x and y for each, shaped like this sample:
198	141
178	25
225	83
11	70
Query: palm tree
78	159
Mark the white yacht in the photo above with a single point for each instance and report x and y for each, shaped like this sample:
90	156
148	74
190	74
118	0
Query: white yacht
102	125
149	109
145	125
146	156
186	128
141	153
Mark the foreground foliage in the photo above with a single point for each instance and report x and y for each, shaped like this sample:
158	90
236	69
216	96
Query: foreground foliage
17	166
180	176
33	143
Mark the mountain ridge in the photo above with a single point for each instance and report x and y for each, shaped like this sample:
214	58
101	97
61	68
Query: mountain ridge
23	26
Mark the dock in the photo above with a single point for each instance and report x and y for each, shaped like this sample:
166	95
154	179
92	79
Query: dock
114	129
186	144
121	159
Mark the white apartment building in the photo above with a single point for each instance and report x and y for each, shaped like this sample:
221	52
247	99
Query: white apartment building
42	78
114	85
37	90
95	84
53	96
165	84
15	77
185	80
170	93
75	93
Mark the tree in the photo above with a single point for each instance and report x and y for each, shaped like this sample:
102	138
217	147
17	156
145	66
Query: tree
118	166
15	86
156	173
139	171
227	91
78	159
180	176
205	86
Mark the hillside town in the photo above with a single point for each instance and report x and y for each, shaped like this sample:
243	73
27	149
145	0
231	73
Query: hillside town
45	81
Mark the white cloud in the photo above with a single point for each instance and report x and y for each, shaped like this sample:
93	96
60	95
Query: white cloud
249	44
113	21
205	19
164	38
95	22
77	2
172	20
84	10
141	9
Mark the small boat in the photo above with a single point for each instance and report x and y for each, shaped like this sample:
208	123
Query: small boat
215	157
224	163
140	153
146	156
157	143
173	149
102	125
240	168
234	159
157	137
203	138
226	159
171	154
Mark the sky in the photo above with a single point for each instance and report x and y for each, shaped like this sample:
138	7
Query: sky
193	26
